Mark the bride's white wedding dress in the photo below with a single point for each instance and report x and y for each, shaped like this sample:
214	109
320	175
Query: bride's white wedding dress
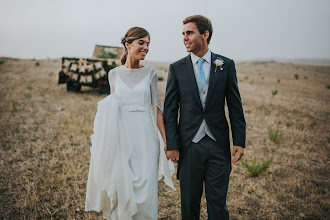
127	156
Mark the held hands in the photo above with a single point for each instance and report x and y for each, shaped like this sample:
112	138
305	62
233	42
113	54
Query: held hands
173	155
239	151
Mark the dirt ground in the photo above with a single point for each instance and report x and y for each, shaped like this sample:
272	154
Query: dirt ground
45	141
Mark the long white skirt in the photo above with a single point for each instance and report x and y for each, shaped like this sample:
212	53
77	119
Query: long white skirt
127	160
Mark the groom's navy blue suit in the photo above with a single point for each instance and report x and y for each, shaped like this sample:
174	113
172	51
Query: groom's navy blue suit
209	160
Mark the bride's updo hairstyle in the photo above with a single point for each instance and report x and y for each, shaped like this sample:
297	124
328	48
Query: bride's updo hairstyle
132	34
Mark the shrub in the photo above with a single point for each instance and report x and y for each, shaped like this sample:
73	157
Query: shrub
246	77
296	76
160	78
274	136
37	63
274	92
13	105
255	169
278	80
2	62
328	86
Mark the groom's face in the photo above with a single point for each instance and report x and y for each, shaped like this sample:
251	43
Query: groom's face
192	39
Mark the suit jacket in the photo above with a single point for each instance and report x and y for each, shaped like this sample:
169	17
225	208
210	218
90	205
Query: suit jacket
182	97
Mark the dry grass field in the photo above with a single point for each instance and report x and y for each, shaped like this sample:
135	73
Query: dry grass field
45	141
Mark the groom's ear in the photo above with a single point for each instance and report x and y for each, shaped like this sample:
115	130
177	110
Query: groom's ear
206	35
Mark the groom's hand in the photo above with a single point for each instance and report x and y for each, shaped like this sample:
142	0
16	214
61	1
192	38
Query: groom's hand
173	155
239	151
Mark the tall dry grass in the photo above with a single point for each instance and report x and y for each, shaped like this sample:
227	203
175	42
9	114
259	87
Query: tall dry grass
45	141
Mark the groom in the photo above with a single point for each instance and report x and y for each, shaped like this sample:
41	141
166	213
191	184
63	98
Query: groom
198	86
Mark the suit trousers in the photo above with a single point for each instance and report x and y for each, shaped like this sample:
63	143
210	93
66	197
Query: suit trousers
204	162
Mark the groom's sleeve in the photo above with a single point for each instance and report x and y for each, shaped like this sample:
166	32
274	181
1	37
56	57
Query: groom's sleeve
171	107
236	114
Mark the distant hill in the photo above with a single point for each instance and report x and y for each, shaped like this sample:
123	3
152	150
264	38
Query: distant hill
316	62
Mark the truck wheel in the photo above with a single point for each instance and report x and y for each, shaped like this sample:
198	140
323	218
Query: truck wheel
73	86
62	78
104	89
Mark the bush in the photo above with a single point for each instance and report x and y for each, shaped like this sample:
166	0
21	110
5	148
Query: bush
274	92
37	63
2	62
296	76
160	78
13	105
328	86
255	169
274	136
278	80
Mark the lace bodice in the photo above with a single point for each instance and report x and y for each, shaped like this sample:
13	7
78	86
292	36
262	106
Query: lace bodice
133	77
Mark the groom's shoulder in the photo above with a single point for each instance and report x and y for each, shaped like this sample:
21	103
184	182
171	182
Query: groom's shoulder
180	62
226	59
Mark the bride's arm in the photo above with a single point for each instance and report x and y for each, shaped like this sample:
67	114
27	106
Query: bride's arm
112	78
161	126
156	101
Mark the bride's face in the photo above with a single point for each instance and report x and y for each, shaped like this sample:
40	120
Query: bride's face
139	48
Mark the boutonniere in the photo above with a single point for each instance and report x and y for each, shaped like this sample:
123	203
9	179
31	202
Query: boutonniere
218	63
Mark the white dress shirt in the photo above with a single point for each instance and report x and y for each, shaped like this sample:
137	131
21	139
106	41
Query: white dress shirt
206	64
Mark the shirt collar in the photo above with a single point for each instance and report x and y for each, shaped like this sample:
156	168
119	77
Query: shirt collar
206	57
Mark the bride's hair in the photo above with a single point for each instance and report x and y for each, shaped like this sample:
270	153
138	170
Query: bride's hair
132	34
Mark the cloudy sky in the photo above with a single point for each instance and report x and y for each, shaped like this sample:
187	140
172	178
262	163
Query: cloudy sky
243	29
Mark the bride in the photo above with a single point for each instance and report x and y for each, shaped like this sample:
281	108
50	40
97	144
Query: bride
128	149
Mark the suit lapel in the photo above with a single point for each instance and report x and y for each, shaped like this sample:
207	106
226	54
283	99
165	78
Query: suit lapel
192	79
212	80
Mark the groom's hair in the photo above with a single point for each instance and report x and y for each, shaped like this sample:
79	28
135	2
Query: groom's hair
203	24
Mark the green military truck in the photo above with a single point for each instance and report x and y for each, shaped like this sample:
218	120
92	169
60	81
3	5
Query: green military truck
92	72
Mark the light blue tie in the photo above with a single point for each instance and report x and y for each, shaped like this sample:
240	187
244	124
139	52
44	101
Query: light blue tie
201	73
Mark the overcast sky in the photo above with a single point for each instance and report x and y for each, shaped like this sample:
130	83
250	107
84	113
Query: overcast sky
243	29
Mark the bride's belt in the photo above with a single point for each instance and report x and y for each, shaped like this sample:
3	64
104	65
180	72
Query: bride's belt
134	108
